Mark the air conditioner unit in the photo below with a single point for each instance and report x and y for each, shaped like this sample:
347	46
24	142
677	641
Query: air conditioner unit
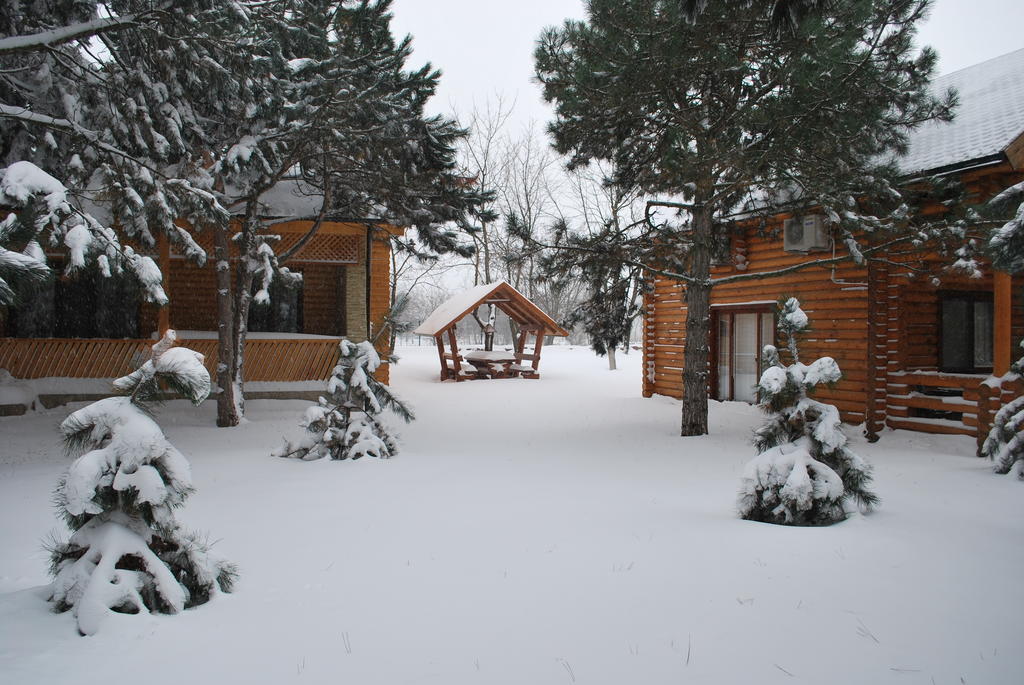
805	234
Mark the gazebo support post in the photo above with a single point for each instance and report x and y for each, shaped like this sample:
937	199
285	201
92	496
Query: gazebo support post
456	362
536	350
439	342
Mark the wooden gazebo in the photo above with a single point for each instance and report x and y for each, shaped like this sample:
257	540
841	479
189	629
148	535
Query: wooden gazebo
531	320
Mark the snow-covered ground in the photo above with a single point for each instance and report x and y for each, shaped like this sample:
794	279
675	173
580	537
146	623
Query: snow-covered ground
532	532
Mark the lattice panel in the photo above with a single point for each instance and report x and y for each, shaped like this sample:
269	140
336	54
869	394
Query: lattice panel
265	359
326	249
333	249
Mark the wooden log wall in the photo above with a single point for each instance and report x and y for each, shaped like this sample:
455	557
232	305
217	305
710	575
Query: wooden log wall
835	300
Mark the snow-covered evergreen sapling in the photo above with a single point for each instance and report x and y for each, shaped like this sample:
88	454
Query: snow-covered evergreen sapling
1005	442
345	424
804	473
128	554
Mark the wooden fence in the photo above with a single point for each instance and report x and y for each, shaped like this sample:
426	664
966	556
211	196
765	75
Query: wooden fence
285	360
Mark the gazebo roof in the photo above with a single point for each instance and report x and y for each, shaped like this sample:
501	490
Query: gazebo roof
500	294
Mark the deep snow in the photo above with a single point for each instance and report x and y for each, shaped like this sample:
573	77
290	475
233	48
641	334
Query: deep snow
550	531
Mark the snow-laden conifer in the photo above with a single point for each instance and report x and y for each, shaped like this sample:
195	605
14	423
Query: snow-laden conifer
95	141
804	473
127	553
801	118
1006	245
1005	442
345	424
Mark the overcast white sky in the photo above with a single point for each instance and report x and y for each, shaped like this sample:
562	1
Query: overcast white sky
485	47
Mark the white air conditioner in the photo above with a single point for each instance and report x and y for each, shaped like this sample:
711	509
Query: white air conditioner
805	234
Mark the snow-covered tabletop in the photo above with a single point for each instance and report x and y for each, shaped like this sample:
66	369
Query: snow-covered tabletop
490	356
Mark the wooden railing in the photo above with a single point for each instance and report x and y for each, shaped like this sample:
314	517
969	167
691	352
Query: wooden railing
992	395
286	360
933	402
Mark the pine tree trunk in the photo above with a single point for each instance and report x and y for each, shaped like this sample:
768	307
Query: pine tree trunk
612	366
227	414
698	328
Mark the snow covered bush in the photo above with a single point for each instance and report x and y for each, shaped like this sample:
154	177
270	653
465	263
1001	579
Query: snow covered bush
1005	442
804	473
345	424
128	554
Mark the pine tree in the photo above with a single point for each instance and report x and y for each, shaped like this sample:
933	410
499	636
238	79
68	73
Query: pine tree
127	553
101	145
345	424
804	473
341	114
710	104
1005	442
1006	245
612	287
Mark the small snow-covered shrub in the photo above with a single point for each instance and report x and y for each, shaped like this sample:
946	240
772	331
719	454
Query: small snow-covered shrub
804	473
1005	442
128	554
344	425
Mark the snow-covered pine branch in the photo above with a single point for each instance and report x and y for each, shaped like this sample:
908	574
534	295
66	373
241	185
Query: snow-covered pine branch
345	424
127	553
31	42
1006	245
1004	444
804	473
44	216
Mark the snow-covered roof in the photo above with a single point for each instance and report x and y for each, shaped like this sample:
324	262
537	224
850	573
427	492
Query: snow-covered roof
292	198
288	197
989	118
507	298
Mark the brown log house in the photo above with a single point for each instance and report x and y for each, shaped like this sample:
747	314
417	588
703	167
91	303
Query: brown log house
915	351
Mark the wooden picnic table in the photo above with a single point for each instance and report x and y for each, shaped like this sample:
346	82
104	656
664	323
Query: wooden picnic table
490	356
490	363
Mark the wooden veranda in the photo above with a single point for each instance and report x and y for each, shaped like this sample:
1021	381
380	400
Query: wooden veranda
530	319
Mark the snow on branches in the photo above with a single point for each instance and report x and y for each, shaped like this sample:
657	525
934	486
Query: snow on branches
804	473
1007	242
1005	442
43	215
128	554
345	424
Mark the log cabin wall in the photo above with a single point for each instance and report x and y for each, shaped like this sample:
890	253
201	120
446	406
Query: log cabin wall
836	302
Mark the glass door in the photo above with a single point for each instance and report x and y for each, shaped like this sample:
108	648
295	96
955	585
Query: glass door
741	335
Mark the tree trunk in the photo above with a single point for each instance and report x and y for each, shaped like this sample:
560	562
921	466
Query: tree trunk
489	328
698	328
612	366
247	262
227	400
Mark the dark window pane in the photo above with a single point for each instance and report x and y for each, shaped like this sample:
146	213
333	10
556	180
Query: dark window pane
956	330
75	306
283	314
